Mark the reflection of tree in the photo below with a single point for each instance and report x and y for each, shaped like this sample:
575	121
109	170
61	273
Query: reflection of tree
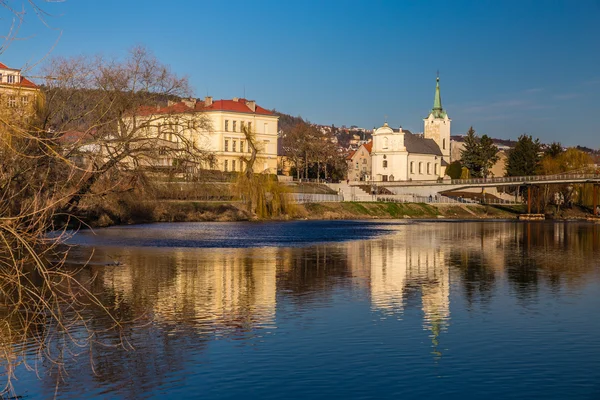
308	276
182	299
477	277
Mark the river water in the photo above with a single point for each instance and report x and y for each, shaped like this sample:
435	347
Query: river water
340	309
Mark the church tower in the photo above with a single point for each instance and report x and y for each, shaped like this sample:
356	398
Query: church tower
437	124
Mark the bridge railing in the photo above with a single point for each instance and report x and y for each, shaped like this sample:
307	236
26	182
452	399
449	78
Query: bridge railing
521	179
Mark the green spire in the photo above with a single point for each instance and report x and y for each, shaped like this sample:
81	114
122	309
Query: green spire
437	110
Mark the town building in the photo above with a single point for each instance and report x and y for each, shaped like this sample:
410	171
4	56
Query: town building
399	155
18	99
359	163
217	126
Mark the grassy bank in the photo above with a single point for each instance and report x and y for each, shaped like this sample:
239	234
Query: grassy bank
132	211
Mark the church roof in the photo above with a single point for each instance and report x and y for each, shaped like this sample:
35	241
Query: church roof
437	109
419	145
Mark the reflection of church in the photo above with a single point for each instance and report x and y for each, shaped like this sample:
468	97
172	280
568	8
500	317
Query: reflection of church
399	265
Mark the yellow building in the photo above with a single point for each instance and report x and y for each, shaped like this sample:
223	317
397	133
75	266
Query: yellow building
18	97
217	126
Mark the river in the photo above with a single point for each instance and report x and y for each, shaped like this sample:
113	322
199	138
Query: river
338	309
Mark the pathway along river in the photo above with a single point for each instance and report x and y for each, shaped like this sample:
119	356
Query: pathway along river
342	310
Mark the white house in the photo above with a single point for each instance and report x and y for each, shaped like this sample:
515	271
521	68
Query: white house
399	155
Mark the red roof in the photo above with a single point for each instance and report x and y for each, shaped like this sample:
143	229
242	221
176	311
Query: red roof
239	106
369	146
352	153
71	137
24	81
236	106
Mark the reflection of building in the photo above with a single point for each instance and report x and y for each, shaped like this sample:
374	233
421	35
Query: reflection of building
230	289
404	263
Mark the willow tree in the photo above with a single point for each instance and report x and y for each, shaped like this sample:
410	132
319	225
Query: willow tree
261	193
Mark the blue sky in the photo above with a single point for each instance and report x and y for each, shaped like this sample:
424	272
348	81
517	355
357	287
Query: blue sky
506	67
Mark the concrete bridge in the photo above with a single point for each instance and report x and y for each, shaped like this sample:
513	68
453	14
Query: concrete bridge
433	188
458	184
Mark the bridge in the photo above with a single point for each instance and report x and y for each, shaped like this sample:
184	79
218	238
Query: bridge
531	182
457	184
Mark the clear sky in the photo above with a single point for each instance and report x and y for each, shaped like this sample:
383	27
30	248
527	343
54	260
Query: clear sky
506	67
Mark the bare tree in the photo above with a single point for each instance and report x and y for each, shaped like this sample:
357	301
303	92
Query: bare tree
108	112
122	113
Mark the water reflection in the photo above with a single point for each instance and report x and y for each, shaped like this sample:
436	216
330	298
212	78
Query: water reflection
184	300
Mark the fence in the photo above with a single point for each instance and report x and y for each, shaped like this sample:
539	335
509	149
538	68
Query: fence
315	198
533	178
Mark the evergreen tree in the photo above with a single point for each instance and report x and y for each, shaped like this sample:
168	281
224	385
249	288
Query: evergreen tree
470	153
524	158
554	150
454	170
488	155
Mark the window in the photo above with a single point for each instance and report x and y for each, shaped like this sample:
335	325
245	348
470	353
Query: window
242	125
357	165
364	160
420	168
226	145
435	169
233	165
233	146
428	168
10	78
25	100
412	167
384	163
266	146
234	125
385	143
226	125
12	100
225	165
249	126
444	144
241	146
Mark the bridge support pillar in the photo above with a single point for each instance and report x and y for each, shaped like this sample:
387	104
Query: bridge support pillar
595	202
528	199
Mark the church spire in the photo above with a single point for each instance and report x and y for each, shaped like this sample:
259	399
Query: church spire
437	110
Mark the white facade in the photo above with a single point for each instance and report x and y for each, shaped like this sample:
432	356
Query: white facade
399	155
389	155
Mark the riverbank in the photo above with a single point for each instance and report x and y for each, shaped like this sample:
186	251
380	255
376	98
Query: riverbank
132	212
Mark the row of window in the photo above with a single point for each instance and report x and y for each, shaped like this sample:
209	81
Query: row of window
412	167
234	126
12	101
234	145
233	165
428	166
10	78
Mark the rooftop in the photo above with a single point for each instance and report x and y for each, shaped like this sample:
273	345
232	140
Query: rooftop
238	105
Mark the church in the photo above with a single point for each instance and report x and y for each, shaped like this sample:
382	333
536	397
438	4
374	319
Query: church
398	155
